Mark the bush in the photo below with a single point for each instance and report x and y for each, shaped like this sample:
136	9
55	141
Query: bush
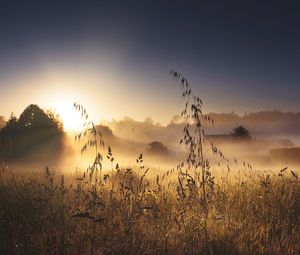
157	148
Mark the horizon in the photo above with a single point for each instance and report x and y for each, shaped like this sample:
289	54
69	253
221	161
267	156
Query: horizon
167	122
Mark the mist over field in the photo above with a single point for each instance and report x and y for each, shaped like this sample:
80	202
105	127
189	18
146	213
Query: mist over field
268	129
160	143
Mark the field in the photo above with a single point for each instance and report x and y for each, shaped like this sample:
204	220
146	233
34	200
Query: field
131	213
206	204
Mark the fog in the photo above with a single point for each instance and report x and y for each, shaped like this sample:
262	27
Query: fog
160	146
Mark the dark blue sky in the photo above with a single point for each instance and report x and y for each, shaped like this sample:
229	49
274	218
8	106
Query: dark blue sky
242	55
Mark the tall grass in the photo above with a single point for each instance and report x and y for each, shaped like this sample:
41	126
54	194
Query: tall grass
194	208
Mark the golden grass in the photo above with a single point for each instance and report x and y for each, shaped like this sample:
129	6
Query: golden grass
52	214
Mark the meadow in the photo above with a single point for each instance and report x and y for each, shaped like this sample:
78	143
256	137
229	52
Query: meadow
207	204
248	213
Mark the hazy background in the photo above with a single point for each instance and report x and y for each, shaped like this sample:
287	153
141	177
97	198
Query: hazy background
160	143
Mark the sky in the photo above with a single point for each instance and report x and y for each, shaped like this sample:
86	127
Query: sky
114	57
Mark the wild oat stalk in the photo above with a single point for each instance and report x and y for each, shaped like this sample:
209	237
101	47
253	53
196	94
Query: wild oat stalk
93	140
193	138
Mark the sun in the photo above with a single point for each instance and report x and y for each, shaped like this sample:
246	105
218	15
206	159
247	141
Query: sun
71	119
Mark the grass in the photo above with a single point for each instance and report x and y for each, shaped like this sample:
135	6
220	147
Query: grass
52	214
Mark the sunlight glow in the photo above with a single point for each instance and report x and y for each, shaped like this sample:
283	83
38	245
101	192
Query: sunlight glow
71	119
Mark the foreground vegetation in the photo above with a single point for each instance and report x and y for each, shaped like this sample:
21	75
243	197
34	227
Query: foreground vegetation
50	214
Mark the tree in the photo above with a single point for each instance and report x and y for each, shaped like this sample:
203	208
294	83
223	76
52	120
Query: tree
27	134
12	125
33	117
158	148
241	133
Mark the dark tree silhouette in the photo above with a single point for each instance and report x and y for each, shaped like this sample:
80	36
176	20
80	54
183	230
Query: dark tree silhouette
12	125
158	148
27	134
241	133
35	118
